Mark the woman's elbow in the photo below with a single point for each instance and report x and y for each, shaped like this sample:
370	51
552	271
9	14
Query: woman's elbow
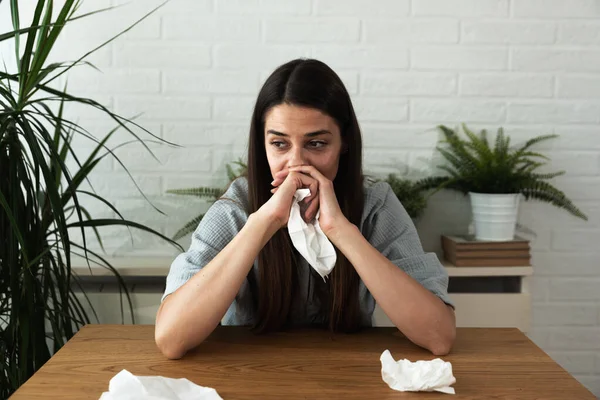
441	347
442	344
169	347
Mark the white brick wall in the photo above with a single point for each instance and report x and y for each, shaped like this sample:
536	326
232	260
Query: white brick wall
533	66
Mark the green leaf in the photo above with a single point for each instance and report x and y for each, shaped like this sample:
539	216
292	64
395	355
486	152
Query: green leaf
431	182
14	11
46	24
458	147
94	195
188	228
550	175
199	192
95	229
45	46
478	144
116	36
88	14
537	140
544	191
120	222
16	32
52	189
230	173
25	72
116	273
530	154
16	229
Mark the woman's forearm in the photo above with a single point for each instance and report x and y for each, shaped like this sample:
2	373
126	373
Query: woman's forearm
188	315
414	310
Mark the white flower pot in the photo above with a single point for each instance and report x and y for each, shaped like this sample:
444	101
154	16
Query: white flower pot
494	215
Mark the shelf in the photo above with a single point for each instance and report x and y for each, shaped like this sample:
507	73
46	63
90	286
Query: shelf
486	271
127	266
159	266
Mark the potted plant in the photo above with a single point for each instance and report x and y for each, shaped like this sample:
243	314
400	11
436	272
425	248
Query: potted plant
210	193
41	199
410	194
495	177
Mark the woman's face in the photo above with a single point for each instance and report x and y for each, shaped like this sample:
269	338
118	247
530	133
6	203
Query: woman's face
302	136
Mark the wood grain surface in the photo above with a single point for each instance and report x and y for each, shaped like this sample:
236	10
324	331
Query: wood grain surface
488	363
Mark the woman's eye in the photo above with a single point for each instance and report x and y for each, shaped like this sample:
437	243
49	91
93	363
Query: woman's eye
278	144
317	144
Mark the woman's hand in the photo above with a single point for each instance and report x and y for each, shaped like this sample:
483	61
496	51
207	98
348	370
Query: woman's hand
331	216
278	207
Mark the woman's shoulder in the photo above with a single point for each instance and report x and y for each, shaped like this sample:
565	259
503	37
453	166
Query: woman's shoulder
376	194
236	194
382	206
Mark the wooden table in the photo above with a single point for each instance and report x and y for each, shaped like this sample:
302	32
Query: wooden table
487	363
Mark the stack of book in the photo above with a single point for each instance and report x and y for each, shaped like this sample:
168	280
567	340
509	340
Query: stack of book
466	251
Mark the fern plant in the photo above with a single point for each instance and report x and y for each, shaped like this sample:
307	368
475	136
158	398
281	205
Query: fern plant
210	193
475	165
410	194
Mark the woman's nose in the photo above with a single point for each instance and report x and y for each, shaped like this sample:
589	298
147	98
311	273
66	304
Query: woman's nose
296	158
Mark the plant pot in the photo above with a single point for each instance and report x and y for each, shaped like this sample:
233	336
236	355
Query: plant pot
494	215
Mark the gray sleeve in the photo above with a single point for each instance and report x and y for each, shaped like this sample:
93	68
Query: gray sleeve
223	220
392	232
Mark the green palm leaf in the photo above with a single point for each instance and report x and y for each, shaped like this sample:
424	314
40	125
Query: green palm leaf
39	198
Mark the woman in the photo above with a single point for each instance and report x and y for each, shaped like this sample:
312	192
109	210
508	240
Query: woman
241	268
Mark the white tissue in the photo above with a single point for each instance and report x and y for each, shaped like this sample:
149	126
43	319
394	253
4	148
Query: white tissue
309	239
406	376
126	386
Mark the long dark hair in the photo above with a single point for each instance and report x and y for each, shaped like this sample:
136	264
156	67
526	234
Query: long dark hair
308	83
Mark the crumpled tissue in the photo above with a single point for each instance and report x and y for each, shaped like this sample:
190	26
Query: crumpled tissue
406	376
126	386
309	239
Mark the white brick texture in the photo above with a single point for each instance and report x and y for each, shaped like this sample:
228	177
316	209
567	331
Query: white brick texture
192	28
238	108
172	55
461	8
193	70
508	32
507	85
575	289
579	33
362	57
114	81
312	31
457	110
554	112
577	86
381	109
255	56
408	83
262	7
362	7
564	314
194	82
556	9
555	59
466	58
378	31
164	107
